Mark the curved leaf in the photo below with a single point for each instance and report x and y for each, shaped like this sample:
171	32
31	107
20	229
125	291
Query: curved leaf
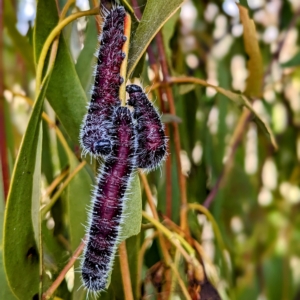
86	59
20	250
155	15
132	211
255	63
65	92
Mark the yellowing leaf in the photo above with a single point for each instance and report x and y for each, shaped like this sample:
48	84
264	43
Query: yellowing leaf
254	64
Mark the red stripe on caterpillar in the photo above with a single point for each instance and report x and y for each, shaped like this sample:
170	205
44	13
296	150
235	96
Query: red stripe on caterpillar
109	197
152	142
95	130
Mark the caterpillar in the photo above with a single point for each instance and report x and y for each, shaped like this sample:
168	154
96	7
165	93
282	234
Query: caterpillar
96	127
152	142
109	198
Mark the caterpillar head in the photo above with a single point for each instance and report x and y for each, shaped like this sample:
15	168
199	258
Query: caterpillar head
102	147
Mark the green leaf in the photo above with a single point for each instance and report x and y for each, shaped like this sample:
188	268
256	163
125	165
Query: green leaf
132	211
5	291
293	62
78	197
132	245
86	59
65	93
47	156
20	250
36	191
155	15
255	63
168	32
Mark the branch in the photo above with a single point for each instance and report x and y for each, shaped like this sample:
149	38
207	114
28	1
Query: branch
170	97
54	33
127	287
52	201
64	271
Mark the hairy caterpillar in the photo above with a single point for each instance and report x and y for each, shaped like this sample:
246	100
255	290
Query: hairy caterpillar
96	127
152	142
109	198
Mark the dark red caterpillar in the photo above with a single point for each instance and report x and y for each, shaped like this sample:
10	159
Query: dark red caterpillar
95	130
109	198
152	142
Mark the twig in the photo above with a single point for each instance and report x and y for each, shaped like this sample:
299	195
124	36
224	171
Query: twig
64	271
59	134
127	287
218	235
181	177
52	201
142	251
3	146
65	9
56	31
125	50
55	183
166	255
174	238
181	283
154	67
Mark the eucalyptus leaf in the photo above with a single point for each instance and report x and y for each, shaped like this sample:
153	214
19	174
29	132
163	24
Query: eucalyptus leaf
255	63
65	93
20	250
155	15
86	59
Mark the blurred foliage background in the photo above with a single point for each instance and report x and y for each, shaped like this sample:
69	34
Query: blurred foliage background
226	79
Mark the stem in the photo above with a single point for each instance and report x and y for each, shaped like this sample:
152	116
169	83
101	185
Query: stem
125	49
127	287
47	207
142	251
181	283
181	178
3	146
166	255
50	122
174	238
56	31
55	183
64	271
218	235
65	9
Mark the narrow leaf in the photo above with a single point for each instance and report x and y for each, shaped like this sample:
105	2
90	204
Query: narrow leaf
155	15
20	250
86	58
255	63
65	93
